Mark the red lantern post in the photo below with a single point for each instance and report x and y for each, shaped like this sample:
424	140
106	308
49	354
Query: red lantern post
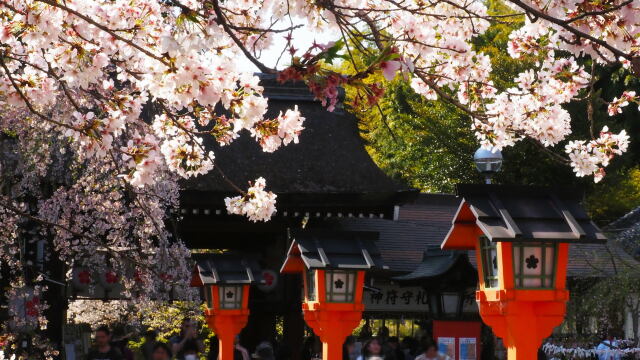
226	279
520	236
333	267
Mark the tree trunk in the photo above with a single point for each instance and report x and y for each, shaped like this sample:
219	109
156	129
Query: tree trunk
56	298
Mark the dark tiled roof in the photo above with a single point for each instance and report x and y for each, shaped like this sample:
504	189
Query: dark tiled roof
505	213
338	250
224	268
625	231
627	221
330	157
403	242
435	262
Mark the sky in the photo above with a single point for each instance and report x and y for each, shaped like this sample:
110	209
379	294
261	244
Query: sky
302	40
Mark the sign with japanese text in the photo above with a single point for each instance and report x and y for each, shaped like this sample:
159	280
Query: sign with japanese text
396	298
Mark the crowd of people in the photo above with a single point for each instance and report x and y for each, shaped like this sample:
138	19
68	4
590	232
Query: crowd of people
379	348
188	346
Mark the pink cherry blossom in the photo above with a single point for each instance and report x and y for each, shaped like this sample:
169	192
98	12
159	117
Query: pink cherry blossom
390	68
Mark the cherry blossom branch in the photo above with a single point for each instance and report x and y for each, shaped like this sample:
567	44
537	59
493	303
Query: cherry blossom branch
12	8
448	97
115	253
26	100
105	29
554	156
590	100
191	136
221	20
600	12
580	34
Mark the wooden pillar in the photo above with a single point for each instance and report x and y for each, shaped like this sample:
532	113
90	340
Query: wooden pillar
56	298
293	320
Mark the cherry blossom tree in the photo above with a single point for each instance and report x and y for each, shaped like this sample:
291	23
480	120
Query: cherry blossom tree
106	104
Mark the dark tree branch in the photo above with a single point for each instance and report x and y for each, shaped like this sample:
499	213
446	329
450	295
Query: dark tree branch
221	20
539	14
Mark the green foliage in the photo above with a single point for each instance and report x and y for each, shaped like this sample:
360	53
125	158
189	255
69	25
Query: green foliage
422	152
166	318
333	52
615	197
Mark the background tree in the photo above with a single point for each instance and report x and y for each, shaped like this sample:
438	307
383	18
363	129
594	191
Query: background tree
428	143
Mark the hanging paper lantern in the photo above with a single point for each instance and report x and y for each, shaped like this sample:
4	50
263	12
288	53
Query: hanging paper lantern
109	280
24	305
270	278
81	278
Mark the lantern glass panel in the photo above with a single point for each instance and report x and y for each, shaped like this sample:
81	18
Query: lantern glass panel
230	297
311	285
435	306
450	303
340	285
490	262
534	265
208	296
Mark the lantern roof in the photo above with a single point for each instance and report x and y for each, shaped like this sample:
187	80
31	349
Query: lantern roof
436	262
519	213
225	268
354	250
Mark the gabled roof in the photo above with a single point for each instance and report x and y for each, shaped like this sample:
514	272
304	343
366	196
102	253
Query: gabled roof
435	262
508	213
626	232
629	220
330	158
225	268
333	250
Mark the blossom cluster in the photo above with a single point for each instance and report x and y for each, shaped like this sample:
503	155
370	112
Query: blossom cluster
257	204
280	131
110	58
616	105
592	157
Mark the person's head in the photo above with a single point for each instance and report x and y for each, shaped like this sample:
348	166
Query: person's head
431	350
161	351
186	325
264	351
373	347
393	342
349	346
190	350
150	334
103	336
407	343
